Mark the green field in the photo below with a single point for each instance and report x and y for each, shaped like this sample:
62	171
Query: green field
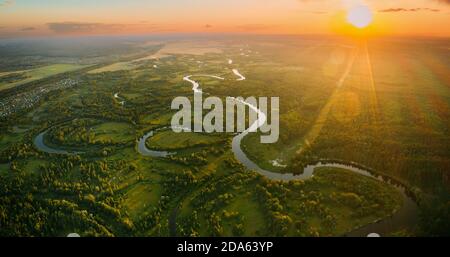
169	140
141	197
39	73
113	132
114	67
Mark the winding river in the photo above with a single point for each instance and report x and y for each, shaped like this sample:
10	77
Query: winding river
120	99
196	85
41	146
144	151
237	73
405	216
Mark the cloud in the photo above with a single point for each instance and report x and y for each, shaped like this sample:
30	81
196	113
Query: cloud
254	27
6	3
409	10
96	28
312	1
82	27
28	29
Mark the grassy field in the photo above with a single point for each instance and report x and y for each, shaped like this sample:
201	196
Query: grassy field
141	197
114	132
169	140
253	217
157	119
114	67
40	73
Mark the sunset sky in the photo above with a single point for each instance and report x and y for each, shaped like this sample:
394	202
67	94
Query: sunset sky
23	18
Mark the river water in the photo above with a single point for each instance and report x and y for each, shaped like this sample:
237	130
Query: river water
143	150
41	146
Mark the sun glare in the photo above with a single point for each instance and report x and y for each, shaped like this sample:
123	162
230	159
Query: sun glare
360	16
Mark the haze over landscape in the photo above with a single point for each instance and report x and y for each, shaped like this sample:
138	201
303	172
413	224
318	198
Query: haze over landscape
50	18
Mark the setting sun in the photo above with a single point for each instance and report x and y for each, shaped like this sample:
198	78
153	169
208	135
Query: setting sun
360	16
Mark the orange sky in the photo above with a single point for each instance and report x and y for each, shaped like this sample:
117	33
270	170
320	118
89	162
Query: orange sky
49	17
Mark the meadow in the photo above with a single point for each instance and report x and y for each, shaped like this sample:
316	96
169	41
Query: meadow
27	76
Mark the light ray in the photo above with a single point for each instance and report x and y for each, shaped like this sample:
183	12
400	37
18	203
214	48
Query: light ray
316	128
373	93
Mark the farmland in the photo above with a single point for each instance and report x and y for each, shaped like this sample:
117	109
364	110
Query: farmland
12	79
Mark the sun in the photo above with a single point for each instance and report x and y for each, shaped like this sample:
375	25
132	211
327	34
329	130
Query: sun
360	16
